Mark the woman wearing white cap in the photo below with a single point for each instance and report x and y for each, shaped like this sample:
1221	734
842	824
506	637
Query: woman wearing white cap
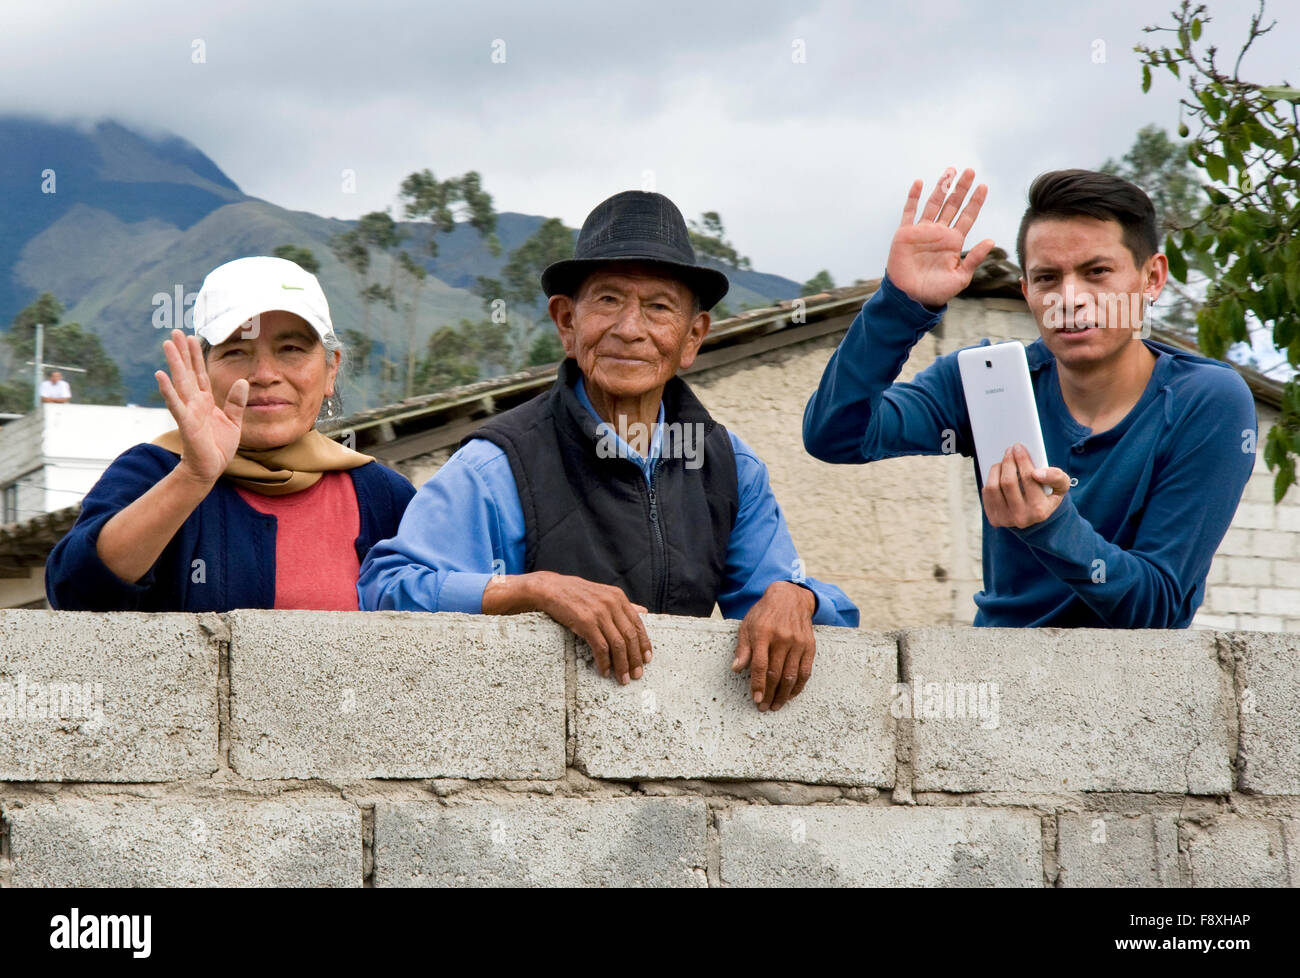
245	504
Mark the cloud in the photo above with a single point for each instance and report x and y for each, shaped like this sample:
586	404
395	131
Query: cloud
806	160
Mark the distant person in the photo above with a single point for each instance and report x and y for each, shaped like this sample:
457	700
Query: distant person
1151	446
55	390
245	504
615	492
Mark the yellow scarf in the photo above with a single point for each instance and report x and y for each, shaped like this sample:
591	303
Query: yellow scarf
280	471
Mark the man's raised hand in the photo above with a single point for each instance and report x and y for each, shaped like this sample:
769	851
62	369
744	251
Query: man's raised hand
925	256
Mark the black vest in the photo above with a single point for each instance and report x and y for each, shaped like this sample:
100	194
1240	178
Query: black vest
664	544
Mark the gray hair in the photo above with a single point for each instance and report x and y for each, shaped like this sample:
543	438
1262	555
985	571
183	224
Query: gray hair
331	408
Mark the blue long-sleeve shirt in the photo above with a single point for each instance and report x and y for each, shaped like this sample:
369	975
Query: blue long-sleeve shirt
466	523
1150	499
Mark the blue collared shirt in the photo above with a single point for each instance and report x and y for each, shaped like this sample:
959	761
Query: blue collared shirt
1150	499
466	523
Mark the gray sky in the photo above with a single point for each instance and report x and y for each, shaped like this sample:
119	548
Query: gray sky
808	163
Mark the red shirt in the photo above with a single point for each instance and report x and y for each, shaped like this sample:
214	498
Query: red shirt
316	564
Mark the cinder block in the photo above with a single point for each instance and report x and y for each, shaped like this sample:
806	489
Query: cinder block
1275	544
1224	598
1259	623
121	842
542	842
1288	517
833	845
1242	851
1280	600
1204	619
1259	489
123	697
1255	516
1076	710
1108	849
1270	711
1236	542
396	695
690	716
1250	571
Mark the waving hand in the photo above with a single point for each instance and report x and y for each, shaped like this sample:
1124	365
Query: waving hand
209	432
925	256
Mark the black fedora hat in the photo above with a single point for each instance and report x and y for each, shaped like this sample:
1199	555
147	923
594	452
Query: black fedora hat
636	226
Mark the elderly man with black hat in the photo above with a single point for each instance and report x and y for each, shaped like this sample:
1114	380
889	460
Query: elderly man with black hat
614	493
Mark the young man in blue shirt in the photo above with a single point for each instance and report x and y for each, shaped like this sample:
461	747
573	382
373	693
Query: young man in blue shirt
615	493
1150	447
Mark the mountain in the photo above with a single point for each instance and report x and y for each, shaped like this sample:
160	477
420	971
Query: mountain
109	219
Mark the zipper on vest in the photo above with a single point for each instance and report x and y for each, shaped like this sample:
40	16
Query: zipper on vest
661	548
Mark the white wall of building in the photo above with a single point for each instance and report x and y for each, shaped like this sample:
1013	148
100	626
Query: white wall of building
76	443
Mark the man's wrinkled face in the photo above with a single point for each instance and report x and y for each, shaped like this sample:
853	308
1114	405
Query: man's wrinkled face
1084	288
630	329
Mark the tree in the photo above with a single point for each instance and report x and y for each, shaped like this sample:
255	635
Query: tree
302	257
360	347
434	203
709	240
432	207
821	282
1160	166
547	348
448	362
520	286
1245	237
64	343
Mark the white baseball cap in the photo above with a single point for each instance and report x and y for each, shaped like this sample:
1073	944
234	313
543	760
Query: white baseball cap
235	292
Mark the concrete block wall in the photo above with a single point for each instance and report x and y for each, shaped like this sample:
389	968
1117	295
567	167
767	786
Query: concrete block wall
1254	581
392	749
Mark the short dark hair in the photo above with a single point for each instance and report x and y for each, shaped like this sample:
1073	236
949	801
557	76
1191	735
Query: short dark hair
1089	193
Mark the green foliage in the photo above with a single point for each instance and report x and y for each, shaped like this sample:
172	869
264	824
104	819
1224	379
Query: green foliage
547	348
16	397
302	257
521	276
433	207
709	239
438	203
351	251
821	282
448	362
458	356
64	343
520	288
360	346
1245	137
22	331
1160	166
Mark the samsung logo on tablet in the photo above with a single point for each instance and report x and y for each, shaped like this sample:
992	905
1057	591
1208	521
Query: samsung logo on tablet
996	390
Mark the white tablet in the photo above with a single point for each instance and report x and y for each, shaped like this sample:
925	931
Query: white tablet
1000	402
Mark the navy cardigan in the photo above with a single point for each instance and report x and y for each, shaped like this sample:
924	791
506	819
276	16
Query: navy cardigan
222	557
